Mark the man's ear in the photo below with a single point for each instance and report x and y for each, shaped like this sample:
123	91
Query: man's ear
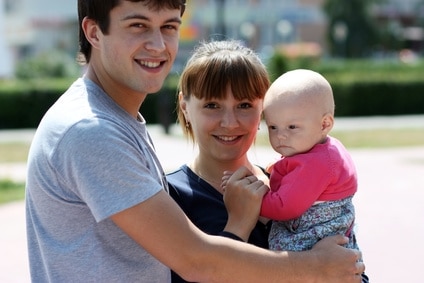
327	123
91	30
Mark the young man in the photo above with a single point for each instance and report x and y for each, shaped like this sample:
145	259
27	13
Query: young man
97	203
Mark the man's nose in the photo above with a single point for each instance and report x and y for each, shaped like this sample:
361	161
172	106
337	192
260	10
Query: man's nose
155	41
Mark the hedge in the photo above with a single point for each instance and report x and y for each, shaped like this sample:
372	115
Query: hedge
378	98
23	103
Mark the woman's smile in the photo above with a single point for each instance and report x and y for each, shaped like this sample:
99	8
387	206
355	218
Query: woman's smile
228	139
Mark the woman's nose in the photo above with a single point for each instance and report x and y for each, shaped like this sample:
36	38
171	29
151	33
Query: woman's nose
229	119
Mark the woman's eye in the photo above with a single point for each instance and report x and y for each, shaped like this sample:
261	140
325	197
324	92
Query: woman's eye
211	105
245	105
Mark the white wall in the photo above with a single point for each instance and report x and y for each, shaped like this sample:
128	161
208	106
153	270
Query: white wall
6	60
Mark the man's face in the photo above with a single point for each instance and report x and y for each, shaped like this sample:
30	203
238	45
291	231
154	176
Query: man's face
138	52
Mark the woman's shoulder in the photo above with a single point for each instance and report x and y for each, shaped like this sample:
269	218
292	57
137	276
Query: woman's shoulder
179	180
182	172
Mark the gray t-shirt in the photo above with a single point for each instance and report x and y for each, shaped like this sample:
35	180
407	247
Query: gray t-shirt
89	160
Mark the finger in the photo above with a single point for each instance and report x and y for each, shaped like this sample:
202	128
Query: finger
223	185
359	255
360	267
225	179
252	178
340	239
259	188
227	173
240	173
358	277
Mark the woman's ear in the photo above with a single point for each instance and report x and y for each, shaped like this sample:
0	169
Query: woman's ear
327	123
183	105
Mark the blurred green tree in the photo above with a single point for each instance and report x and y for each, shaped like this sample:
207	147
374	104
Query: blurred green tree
352	31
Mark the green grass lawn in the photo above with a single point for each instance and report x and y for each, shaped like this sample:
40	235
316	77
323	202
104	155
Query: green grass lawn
9	153
11	191
377	138
381	138
13	152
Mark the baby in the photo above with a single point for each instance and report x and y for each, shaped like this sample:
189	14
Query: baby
312	185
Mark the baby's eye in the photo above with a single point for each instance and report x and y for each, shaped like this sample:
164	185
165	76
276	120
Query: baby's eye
271	127
292	127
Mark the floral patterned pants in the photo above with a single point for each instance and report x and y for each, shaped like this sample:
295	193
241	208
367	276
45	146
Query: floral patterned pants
321	220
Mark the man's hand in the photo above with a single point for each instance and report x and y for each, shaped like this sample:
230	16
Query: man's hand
338	264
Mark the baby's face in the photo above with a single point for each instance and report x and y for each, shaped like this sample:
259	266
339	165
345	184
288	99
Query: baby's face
294	126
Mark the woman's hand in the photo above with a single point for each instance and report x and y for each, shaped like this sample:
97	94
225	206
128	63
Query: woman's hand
243	194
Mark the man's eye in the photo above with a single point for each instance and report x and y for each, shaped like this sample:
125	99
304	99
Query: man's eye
170	27
137	25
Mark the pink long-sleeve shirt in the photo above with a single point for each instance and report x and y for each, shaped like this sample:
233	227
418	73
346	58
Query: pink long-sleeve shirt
324	173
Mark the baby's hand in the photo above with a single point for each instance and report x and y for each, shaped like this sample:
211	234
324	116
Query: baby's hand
269	167
225	177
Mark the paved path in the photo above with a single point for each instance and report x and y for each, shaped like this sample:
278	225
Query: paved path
389	203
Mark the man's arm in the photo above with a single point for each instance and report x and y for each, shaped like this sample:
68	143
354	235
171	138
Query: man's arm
160	227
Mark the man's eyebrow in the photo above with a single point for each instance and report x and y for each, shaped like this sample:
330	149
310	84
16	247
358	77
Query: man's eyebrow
174	20
141	17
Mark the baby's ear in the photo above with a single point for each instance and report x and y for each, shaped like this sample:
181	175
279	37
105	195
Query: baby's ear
327	123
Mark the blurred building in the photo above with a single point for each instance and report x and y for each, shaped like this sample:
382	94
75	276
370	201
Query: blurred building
6	66
30	27
261	24
405	21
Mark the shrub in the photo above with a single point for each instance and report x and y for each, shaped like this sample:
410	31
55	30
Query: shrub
53	64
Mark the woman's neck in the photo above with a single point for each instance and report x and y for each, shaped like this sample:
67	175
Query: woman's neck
212	171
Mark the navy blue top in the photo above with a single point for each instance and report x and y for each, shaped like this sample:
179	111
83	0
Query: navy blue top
205	207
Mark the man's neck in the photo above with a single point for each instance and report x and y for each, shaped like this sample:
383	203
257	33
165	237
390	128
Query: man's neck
128	100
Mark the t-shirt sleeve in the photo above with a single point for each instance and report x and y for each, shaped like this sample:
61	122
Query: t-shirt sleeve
107	168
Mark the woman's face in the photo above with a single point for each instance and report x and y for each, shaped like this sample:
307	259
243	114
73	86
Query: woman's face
224	129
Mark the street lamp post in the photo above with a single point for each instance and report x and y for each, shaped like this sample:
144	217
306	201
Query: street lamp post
220	19
340	33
